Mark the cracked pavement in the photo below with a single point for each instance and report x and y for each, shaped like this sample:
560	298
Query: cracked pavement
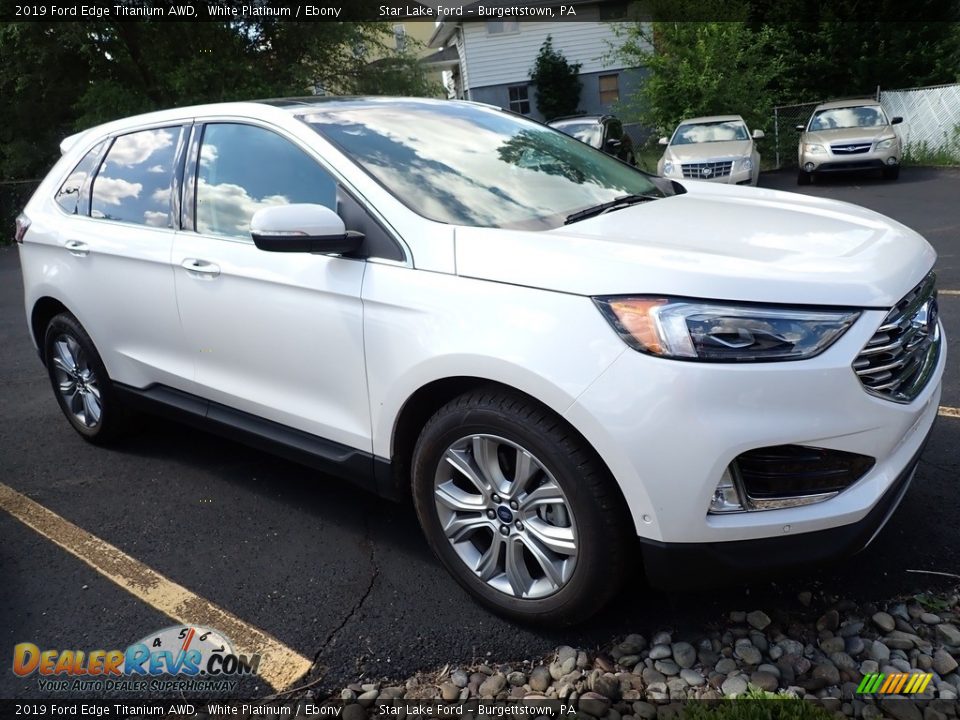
343	577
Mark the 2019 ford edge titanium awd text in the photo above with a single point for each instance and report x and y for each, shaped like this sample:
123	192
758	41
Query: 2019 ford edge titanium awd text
553	353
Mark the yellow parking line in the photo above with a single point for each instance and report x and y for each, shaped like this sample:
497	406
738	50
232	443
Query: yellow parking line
280	666
948	292
945	411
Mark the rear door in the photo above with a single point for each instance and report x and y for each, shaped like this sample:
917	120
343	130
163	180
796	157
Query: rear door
113	255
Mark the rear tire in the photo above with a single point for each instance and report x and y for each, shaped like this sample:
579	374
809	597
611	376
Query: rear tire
804	178
519	509
80	382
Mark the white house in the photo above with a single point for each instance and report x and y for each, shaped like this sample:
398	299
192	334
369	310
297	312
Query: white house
490	60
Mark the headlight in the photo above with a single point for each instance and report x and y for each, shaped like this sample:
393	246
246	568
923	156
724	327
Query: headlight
813	149
746	163
887	143
668	168
697	330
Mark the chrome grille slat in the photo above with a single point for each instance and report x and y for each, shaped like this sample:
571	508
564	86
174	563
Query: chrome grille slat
707	170
854	148
899	359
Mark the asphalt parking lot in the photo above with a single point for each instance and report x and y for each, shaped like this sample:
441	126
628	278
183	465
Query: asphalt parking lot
343	578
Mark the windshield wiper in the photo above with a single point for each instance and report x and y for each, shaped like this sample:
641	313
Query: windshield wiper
615	204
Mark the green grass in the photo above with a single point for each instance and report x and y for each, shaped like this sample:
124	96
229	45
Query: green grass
947	155
756	705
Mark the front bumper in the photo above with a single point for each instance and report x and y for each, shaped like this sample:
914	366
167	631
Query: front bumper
679	565
828	162
668	429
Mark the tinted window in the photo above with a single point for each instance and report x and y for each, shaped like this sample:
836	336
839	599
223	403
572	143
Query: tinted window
717	131
590	132
244	168
472	165
68	196
848	117
133	184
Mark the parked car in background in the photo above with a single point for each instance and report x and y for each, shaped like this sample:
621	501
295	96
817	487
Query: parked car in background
849	135
552	353
604	132
716	149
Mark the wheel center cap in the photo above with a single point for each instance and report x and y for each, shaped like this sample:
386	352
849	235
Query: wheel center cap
503	512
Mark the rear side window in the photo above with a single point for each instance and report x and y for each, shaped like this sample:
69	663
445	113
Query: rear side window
69	194
133	184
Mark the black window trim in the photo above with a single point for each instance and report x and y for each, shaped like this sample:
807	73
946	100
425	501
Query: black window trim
188	202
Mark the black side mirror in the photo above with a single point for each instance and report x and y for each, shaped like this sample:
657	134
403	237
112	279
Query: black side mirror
800	128
613	143
897	120
302	228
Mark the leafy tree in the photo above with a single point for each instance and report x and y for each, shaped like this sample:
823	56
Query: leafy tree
705	68
557	82
61	77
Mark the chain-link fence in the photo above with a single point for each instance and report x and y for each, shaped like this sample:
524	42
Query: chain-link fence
930	130
931	121
13	196
786	137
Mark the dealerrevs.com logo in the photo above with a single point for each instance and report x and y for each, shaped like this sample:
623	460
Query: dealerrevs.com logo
176	658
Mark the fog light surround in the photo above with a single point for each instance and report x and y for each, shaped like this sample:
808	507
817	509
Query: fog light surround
786	476
809	167
728	496
891	161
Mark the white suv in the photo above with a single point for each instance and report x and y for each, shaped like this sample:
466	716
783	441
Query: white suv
552	352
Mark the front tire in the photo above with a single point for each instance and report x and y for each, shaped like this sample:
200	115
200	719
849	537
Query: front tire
891	173
80	381
804	178
519	509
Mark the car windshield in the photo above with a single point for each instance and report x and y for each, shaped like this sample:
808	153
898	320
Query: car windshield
715	131
848	117
590	133
472	165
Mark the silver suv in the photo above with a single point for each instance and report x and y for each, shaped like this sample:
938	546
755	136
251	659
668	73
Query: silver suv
849	135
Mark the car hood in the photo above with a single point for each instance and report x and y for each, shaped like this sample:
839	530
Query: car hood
715	241
698	152
840	135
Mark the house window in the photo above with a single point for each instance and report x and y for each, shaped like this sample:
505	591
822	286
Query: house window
500	27
613	11
520	99
400	38
609	89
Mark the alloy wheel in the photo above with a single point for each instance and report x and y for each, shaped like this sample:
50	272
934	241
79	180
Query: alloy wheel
506	516
76	381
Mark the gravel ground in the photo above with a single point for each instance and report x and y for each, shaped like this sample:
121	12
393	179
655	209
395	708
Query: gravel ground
818	651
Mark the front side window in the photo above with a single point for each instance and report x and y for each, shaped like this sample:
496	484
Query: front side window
848	117
244	168
471	165
133	184
520	99
704	132
68	196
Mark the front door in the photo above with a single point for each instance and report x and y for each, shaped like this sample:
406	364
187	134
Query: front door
277	335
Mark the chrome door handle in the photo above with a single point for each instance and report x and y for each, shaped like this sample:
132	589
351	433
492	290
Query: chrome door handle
200	268
75	247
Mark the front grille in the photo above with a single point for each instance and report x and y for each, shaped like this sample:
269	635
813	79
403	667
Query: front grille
707	170
850	148
786	475
900	358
